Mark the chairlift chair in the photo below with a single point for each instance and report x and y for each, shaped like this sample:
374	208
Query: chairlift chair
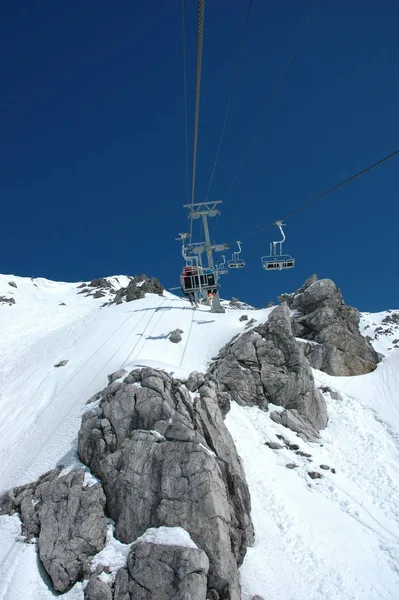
197	279
236	262
221	267
276	260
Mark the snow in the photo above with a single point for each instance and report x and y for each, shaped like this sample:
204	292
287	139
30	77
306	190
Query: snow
168	536
113	555
331	538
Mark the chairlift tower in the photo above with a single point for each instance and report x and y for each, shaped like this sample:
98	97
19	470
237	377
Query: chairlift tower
203	210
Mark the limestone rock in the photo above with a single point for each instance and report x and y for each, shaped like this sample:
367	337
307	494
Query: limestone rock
117	375
62	363
138	287
165	460
9	301
68	519
267	365
175	336
322	316
163	572
97	589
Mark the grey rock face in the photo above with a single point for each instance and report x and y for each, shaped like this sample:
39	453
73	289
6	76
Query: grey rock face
323	317
175	336
68	519
97	590
12	284
166	460
148	285
267	365
117	375
161	572
9	301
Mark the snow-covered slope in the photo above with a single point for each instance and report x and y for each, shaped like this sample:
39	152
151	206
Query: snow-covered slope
331	538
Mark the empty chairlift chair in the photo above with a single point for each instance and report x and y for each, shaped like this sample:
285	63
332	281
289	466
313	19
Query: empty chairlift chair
276	260
236	262
221	267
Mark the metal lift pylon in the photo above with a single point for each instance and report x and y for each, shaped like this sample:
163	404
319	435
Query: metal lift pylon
203	210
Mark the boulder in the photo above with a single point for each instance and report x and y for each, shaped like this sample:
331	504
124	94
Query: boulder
165	460
62	363
97	589
68	519
266	364
175	336
320	315
163	572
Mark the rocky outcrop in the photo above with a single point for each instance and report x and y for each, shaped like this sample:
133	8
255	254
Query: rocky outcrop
321	316
163	572
266	365
68	519
167	460
138	287
9	301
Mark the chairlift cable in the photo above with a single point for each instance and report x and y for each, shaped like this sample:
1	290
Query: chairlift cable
185	97
270	100
200	37
324	194
229	100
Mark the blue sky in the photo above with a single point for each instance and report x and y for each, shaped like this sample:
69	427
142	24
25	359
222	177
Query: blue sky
92	153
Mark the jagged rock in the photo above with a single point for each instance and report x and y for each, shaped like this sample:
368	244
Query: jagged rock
250	322
269	304
195	380
62	363
267	365
304	454
291	466
97	589
322	316
100	282
68	519
166	461
12	284
243	318
325	467
163	572
62	304
4	300
138	287
274	445
175	336
236	304
314	475
117	375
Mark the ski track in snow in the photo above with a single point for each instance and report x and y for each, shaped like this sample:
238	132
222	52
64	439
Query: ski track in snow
332	538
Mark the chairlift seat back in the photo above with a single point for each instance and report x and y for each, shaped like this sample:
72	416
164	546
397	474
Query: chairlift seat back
195	282
236	264
278	264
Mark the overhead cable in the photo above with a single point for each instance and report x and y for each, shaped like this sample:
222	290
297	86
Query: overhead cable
230	97
323	195
200	37
270	100
185	96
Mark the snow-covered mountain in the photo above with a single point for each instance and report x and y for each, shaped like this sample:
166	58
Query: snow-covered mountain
332	537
